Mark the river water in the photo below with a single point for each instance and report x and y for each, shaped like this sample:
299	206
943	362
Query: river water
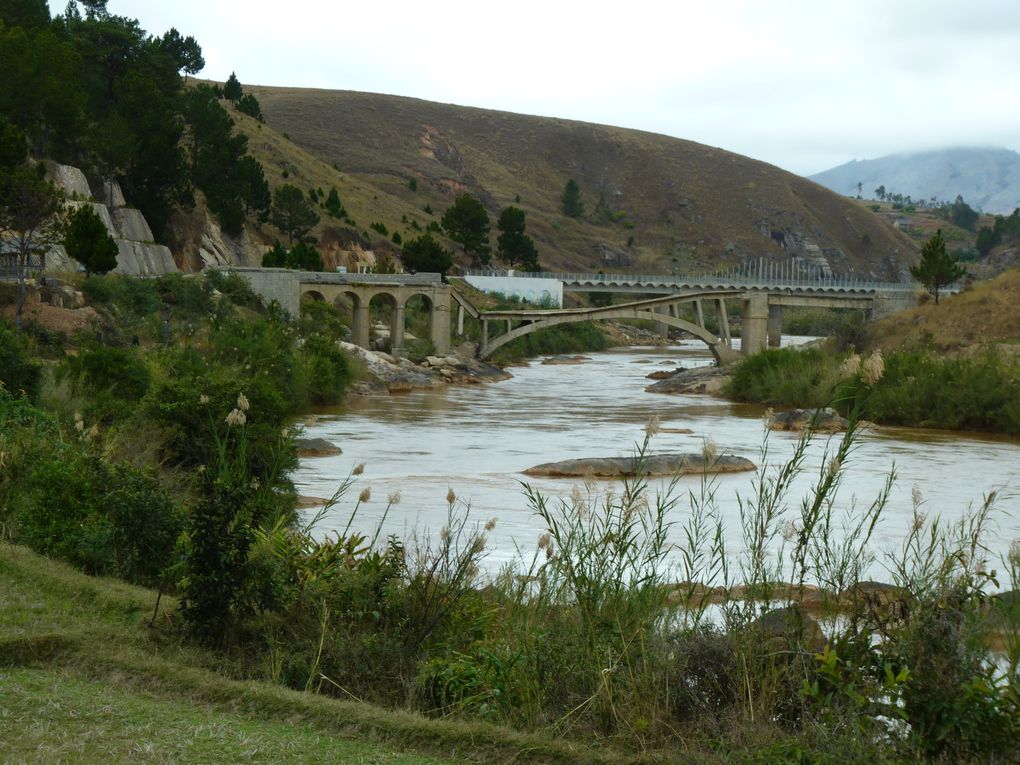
477	439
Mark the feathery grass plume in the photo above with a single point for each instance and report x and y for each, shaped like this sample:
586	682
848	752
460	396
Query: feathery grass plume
358	469
203	399
365	495
873	368
394	498
242	402
236	418
451	497
850	367
490	524
653	426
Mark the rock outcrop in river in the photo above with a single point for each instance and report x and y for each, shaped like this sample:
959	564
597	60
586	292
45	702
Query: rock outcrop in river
710	380
650	465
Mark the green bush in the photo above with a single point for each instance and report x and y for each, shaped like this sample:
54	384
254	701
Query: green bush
109	380
323	371
107	519
786	377
19	374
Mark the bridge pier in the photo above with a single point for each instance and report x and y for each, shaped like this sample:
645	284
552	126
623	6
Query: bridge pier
360	328
754	325
724	322
397	329
775	326
439	328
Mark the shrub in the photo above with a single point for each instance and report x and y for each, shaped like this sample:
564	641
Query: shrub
107	519
324	371
110	380
19	374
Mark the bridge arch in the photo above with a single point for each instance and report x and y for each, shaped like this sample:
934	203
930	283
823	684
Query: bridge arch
722	352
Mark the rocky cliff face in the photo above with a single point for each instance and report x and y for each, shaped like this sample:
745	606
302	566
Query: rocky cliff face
198	240
137	253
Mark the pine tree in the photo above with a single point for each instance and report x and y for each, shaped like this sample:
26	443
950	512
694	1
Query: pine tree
938	268
515	247
87	241
291	212
467	223
573	205
232	88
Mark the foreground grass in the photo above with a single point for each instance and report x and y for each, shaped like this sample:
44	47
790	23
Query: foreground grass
56	716
83	678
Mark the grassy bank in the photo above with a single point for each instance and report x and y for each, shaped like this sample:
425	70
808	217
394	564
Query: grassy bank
918	388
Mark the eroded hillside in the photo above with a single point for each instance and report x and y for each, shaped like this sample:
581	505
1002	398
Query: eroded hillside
651	202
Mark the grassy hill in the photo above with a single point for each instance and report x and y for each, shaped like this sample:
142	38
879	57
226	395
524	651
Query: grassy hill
666	203
981	316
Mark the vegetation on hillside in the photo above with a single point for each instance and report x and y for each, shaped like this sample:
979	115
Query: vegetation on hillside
655	203
94	90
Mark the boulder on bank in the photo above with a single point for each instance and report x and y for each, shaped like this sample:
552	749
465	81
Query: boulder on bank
826	420
651	465
709	380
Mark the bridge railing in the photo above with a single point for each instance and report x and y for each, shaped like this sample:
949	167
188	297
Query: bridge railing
737	280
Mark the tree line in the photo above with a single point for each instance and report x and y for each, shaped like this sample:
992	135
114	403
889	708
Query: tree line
94	90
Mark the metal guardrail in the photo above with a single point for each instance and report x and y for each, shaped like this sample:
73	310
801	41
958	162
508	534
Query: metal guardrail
714	280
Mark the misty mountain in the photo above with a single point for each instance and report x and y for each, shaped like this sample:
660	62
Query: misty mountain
988	179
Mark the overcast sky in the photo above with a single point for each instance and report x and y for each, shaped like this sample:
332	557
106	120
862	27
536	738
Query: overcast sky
803	84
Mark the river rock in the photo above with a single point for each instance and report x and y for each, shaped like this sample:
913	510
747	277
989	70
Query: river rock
826	420
788	626
651	465
663	374
553	360
316	447
710	380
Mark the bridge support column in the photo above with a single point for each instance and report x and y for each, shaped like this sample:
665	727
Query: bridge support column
360	329
439	328
724	322
754	326
699	314
661	328
775	326
460	320
397	330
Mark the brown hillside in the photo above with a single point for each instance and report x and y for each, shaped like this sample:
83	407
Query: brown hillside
675	204
983	315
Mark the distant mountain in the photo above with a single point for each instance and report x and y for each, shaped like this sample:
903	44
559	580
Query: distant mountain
988	179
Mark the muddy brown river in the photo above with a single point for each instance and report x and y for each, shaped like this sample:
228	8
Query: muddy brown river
477	440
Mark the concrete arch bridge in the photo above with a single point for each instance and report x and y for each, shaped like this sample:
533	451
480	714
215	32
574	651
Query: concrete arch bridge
761	322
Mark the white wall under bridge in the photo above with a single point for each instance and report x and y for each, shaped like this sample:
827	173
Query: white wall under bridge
287	288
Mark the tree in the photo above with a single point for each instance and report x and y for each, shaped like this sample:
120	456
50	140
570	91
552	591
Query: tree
13	147
880	192
29	14
291	212
253	187
185	52
515	247
232	90
333	204
938	267
573	205
87	241
30	221
467	223
962	214
425	254
248	104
